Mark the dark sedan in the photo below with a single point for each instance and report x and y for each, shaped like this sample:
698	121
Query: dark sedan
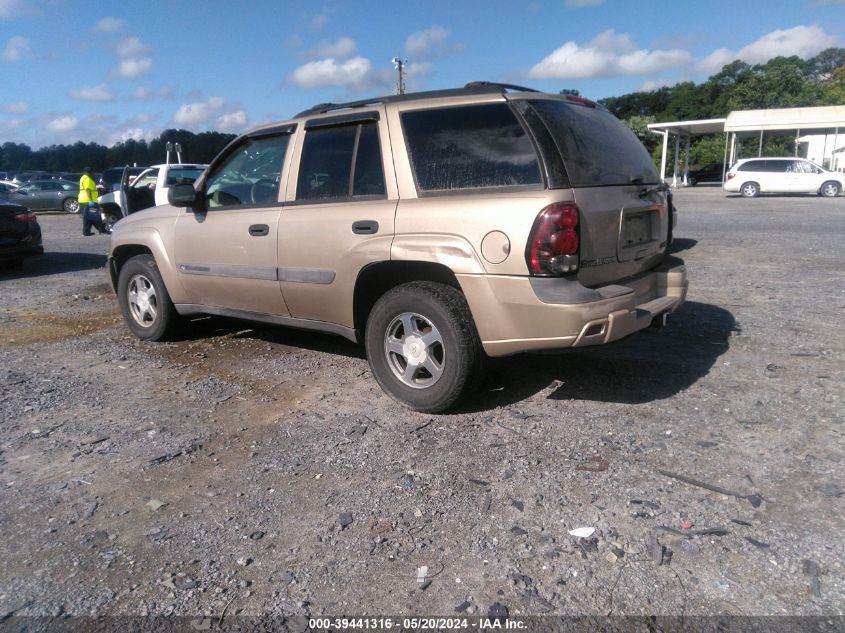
20	233
45	195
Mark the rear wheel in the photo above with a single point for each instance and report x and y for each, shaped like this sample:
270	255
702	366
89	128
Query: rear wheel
144	300
750	190
70	205
830	189
423	347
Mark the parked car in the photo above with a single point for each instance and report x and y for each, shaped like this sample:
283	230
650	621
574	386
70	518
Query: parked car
48	195
110	179
709	172
147	189
753	176
29	176
7	186
436	228
20	233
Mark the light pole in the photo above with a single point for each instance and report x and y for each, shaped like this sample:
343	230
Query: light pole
399	64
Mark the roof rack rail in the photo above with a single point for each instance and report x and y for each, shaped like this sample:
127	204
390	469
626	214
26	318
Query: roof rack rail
473	87
501	86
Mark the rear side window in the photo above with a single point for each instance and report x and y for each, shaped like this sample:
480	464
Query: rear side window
469	147
597	148
341	162
754	165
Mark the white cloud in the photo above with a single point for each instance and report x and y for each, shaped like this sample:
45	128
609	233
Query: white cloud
341	49
148	94
648	86
92	93
63	124
580	4
356	73
21	107
131	68
803	41
130	47
16	49
231	122
430	43
294	42
109	25
129	134
318	22
608	54
10	9
199	113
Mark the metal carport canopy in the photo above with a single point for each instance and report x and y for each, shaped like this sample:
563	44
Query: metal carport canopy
743	123
786	119
686	129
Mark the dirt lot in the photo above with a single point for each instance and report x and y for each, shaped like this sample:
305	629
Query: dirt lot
260	471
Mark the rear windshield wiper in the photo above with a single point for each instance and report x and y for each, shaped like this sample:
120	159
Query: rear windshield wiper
662	186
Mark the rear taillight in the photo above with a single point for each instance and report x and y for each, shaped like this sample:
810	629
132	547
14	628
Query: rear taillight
553	242
25	217
730	175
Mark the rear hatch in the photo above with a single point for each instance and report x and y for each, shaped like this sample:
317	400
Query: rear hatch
624	224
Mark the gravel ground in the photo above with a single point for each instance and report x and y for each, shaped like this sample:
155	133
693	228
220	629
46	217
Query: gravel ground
260	471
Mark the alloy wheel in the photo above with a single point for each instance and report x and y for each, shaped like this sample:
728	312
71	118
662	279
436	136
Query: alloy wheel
414	349
143	304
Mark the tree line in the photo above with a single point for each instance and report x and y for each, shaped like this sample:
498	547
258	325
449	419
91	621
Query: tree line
782	82
196	148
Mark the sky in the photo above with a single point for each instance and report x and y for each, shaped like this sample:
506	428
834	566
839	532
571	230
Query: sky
104	71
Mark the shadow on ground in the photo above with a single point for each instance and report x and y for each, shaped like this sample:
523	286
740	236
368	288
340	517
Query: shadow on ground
54	264
647	366
680	244
210	326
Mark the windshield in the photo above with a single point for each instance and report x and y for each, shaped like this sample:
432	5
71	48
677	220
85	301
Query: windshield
596	147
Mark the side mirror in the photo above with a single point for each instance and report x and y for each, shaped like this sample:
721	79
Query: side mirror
182	196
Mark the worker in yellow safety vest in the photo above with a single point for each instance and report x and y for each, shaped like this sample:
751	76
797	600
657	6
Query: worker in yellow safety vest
88	208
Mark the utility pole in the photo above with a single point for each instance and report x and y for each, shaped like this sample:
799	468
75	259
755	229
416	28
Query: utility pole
399	64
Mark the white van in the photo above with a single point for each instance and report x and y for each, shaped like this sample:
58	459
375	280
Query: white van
753	176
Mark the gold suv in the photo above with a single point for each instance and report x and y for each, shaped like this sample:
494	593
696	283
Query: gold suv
436	228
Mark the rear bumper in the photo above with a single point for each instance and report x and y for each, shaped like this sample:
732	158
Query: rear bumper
512	316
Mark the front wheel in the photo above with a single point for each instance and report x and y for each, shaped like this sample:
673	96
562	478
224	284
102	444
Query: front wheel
830	189
423	346
144	300
750	190
110	220
70	205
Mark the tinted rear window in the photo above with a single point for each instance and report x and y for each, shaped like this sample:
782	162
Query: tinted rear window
470	147
597	148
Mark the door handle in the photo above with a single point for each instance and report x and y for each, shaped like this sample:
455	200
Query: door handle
365	227
259	230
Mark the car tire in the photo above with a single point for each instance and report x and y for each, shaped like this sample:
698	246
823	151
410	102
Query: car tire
423	347
144	300
70	205
692	182
750	190
111	220
830	189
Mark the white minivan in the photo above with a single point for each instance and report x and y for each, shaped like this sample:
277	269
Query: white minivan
753	176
